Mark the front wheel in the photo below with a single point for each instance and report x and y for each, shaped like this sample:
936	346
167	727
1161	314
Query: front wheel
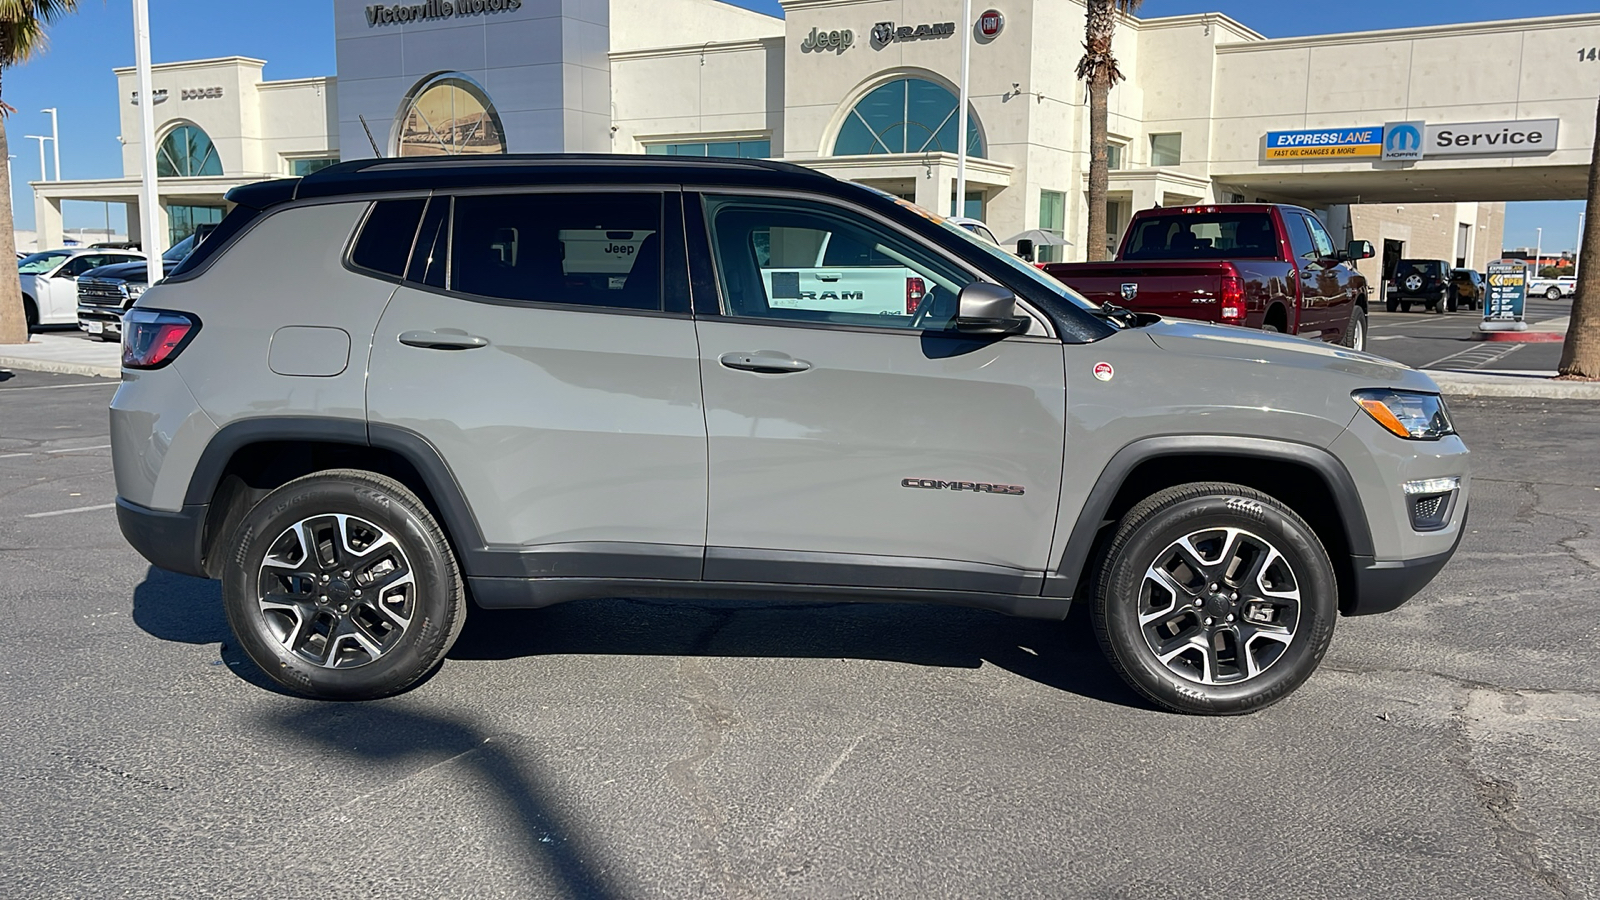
1552	293
341	586
1215	599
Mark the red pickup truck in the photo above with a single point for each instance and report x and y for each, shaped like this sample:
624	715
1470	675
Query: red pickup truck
1265	266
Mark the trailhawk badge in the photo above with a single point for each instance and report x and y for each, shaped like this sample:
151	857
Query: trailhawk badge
1130	291
1103	371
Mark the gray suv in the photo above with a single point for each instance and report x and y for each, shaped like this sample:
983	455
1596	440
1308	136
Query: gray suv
394	385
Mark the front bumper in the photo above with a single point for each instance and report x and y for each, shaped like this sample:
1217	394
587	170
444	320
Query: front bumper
100	319
170	540
1383	585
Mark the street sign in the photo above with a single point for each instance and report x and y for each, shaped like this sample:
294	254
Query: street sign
1508	288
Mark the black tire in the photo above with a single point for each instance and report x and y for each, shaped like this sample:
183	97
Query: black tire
1148	534
1270	329
1437	307
1390	304
1405	306
1451	304
30	312
1355	333
412	624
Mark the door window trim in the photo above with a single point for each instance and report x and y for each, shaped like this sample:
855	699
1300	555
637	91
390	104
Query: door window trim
709	271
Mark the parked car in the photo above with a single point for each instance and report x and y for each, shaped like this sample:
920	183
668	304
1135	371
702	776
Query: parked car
1265	266
1553	288
1467	289
975	226
1424	281
50	281
390	385
105	293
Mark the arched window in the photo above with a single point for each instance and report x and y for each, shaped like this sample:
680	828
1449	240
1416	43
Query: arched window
448	115
187	152
907	115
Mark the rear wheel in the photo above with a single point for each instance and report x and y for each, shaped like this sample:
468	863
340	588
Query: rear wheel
340	585
1405	306
1451	305
1390	304
1553	293
1355	334
1437	307
1214	599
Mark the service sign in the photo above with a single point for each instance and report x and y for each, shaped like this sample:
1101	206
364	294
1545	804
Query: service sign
1492	138
1326	143
1507	290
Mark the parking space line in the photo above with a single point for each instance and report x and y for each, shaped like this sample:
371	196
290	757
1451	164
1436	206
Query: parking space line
13	455
58	387
76	449
62	512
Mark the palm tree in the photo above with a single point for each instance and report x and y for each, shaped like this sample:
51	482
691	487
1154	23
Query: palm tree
1099	68
22	36
1580	357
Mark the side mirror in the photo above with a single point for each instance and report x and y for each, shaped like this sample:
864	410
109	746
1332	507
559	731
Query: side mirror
1025	249
1359	250
986	308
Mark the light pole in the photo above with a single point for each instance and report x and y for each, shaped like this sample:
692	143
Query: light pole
1538	251
1577	254
965	30
149	216
44	172
55	139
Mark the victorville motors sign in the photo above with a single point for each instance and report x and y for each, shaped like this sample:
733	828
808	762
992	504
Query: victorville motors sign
401	13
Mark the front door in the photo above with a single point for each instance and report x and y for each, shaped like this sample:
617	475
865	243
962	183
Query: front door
553	364
867	446
1320	290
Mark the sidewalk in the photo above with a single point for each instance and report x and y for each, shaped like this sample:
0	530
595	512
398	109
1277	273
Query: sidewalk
66	353
1511	383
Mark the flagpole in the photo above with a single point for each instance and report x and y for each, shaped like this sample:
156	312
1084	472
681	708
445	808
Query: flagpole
149	214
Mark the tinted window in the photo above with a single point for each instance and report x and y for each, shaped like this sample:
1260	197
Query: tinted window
580	249
1319	237
211	242
385	242
799	261
433	245
1299	237
1205	236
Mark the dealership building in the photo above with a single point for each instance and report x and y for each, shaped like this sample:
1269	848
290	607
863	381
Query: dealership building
1412	138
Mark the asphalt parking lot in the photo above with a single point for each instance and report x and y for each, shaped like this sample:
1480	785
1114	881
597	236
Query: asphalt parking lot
1427	341
693	749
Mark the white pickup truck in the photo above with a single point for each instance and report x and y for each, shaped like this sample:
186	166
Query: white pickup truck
829	272
1553	288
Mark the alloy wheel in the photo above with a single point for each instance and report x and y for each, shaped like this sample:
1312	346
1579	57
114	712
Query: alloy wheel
337	591
1219	606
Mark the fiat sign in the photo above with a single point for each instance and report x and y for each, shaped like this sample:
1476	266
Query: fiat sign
991	23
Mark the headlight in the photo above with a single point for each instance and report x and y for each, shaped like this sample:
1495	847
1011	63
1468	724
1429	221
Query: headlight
134	290
1413	416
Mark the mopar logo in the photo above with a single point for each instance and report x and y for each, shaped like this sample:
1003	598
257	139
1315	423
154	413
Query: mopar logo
1130	291
1402	140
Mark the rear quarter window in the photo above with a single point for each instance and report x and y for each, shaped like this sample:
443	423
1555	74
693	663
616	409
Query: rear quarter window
387	236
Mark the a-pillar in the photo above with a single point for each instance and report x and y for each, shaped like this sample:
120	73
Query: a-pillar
47	221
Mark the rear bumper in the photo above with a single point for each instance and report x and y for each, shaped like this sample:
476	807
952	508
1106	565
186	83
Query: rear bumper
170	540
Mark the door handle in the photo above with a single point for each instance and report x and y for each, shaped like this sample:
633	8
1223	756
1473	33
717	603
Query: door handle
768	362
443	339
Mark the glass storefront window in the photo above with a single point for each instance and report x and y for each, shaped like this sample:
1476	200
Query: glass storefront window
303	167
187	152
448	115
724	149
1052	218
1166	149
183	220
907	115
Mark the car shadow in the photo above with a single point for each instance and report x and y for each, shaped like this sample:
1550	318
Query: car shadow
187	610
384	736
1060	655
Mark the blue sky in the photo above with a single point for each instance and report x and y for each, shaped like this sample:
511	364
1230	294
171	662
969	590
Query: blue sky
296	39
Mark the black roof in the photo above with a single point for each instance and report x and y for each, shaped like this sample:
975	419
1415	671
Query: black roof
421	173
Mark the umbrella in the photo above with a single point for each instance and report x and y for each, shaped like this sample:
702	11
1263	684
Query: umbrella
1040	238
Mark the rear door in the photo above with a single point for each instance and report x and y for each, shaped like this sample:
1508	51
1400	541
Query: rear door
867	449
1335	284
542	342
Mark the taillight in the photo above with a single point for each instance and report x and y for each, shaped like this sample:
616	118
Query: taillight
151	338
916	288
1232	297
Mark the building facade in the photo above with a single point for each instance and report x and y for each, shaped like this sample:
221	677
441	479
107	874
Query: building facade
868	90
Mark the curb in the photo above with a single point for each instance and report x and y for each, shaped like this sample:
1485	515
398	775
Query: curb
1520	337
1467	384
59	367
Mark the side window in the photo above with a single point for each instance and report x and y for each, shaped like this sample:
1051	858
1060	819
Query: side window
1319	237
597	250
74	267
811	262
386	236
433	244
1300	237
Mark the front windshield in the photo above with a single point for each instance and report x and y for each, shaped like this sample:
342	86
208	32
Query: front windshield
1021	267
39	263
179	250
